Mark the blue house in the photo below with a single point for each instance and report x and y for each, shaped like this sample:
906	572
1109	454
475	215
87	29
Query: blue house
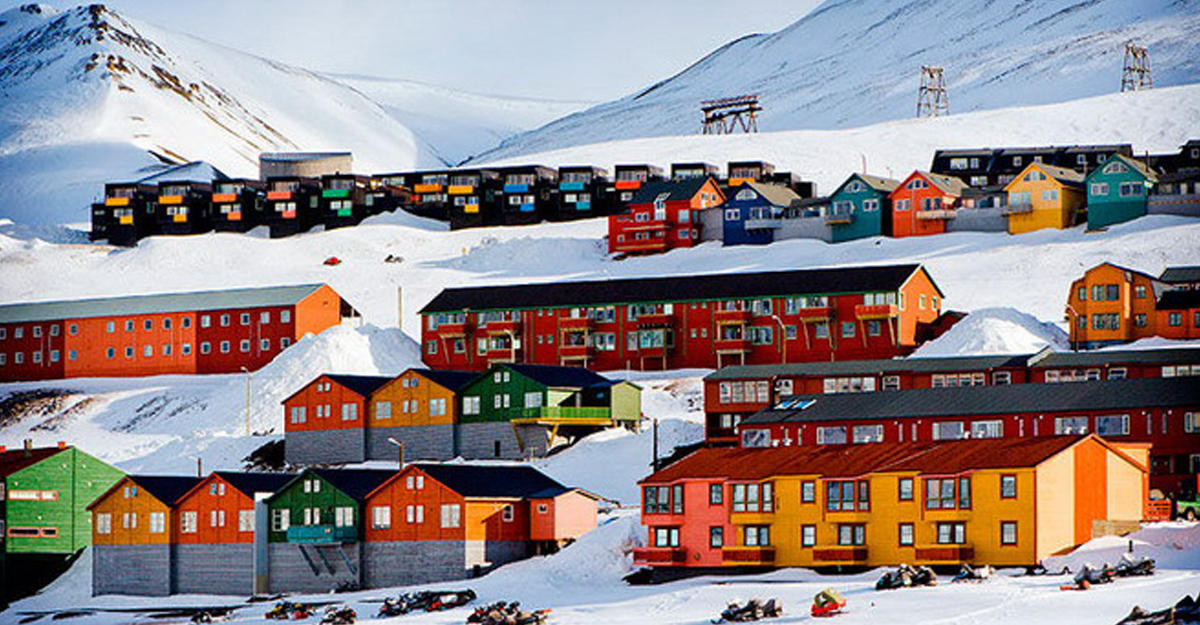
753	211
860	208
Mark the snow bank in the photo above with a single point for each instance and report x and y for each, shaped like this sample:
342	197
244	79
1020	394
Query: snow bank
1173	545
996	331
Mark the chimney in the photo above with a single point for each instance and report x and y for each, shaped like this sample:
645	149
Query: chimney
3	448
62	444
28	446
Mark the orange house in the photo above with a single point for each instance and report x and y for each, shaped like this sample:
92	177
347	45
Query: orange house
924	202
1178	314
448	521
1111	304
328	416
419	409
133	528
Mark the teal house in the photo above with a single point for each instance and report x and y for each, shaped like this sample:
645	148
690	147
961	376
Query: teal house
1117	192
860	208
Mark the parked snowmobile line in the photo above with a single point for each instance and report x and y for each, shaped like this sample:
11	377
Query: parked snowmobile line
504	613
752	610
907	576
286	610
426	601
339	615
1186	610
1131	567
1089	576
972	574
828	602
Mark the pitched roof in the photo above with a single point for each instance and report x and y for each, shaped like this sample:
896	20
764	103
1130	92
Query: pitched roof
152	304
1187	273
165	488
474	480
942	363
447	378
682	189
1122	268
14	460
675	288
355	483
776	194
927	457
1179	299
986	400
362	384
197	171
879	183
1138	166
555	376
1063	174
948	184
250	483
1165	356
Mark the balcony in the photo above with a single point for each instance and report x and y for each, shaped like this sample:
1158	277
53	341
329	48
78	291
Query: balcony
454	329
116	201
170	199
740	317
839	219
748	556
648	245
628	185
647	226
501	354
516	187
461	189
944	554
224	198
335	193
731	346
584	414
574	323
941	213
575	352
321	534
503	326
427	188
1016	209
876	311
660	556
838	554
279	195
572	186
764	223
820	313
656	319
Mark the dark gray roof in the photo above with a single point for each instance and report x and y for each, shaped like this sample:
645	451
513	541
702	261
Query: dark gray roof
987	400
452	380
555	376
675	288
840	367
362	384
251	483
355	483
684	189
1118	357
1190	273
291	157
152	304
165	488
474	480
1179	299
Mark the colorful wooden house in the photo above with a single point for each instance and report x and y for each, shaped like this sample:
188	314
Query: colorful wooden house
183	207
474	198
419	409
316	526
684	171
753	211
923	203
293	205
133	529
1117	191
326	420
999	502
996	167
1111	304
663	216
527	194
583	191
218	520
521	411
172	333
1177	314
440	522
1044	196
44	520
861	207
238	204
685	321
129	209
627	179
344	200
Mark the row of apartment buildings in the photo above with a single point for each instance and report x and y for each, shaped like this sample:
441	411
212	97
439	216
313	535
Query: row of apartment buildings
510	411
326	529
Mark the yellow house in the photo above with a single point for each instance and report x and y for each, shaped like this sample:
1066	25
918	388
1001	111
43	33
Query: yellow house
1003	502
1044	196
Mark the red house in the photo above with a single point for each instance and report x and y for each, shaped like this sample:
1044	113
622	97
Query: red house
923	203
328	416
662	216
176	333
689	321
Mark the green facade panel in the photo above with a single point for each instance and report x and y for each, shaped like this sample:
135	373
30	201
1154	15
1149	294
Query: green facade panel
492	391
52	497
297	497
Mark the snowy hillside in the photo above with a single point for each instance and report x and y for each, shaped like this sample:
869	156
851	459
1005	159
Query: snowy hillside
850	63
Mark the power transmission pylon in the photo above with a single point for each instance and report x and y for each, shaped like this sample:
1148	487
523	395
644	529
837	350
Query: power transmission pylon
1135	76
932	100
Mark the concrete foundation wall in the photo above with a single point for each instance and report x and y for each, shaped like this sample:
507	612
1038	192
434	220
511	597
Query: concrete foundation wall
712	225
421	442
309	567
325	446
402	563
1182	205
978	220
131	570
489	554
478	440
215	569
804	228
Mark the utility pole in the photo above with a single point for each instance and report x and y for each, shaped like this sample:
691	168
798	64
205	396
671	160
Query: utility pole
932	100
654	463
247	372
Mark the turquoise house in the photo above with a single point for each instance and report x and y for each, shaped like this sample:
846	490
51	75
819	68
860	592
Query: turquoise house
1117	192
860	208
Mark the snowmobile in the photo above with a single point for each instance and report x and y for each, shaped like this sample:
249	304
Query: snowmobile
1187	610
285	610
1130	567
215	615
503	613
335	615
427	601
828	602
1040	569
906	576
753	610
1089	576
969	573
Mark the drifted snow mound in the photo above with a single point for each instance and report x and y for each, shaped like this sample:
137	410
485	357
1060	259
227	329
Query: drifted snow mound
1153	342
1173	545
996	331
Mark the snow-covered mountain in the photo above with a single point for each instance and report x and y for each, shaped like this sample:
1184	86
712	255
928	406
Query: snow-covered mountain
850	63
88	95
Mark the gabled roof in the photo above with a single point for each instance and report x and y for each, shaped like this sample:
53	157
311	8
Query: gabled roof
295	157
834	461
776	194
355	483
1188	273
362	384
986	400
1063	174
675	190
153	304
250	483
166	488
446	378
14	460
842	367
947	184
1121	267
675	288
879	183
1179	299
1166	356
558	377
1138	166
198	171
474	480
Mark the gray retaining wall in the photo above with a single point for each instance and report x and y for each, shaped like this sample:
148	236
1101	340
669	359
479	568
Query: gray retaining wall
489	554
478	440
421	442
1182	205
977	220
131	570
804	228
325	446
403	563
313	567
215	569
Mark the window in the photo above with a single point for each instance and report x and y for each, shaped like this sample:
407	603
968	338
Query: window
1174	319
1070	425
471	405
677	499
847	495
831	435
905	534
1008	532
129	520
1191	422
1002	377
381	517
852	534
148	324
205	347
383	410
940	493
848	329
716	537
103	523
1099	188
148	351
128	353
280	520
1008	486
343	516
716	494
1130	189
987	429
666	537
1112	425
216	518
808	491
245	520
187	522
756	535
868	433
224	347
948	430
451	515
225	320
349	412
905	489
656	500
506	514
951	533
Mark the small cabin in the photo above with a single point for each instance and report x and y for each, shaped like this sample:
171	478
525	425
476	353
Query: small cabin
129	212
183	207
474	198
237	204
292	205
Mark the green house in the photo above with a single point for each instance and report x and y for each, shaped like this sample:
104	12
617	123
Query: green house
542	393
1117	191
322	505
859	208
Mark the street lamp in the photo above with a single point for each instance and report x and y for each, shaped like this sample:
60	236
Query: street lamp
400	450
248	375
1072	320
782	339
